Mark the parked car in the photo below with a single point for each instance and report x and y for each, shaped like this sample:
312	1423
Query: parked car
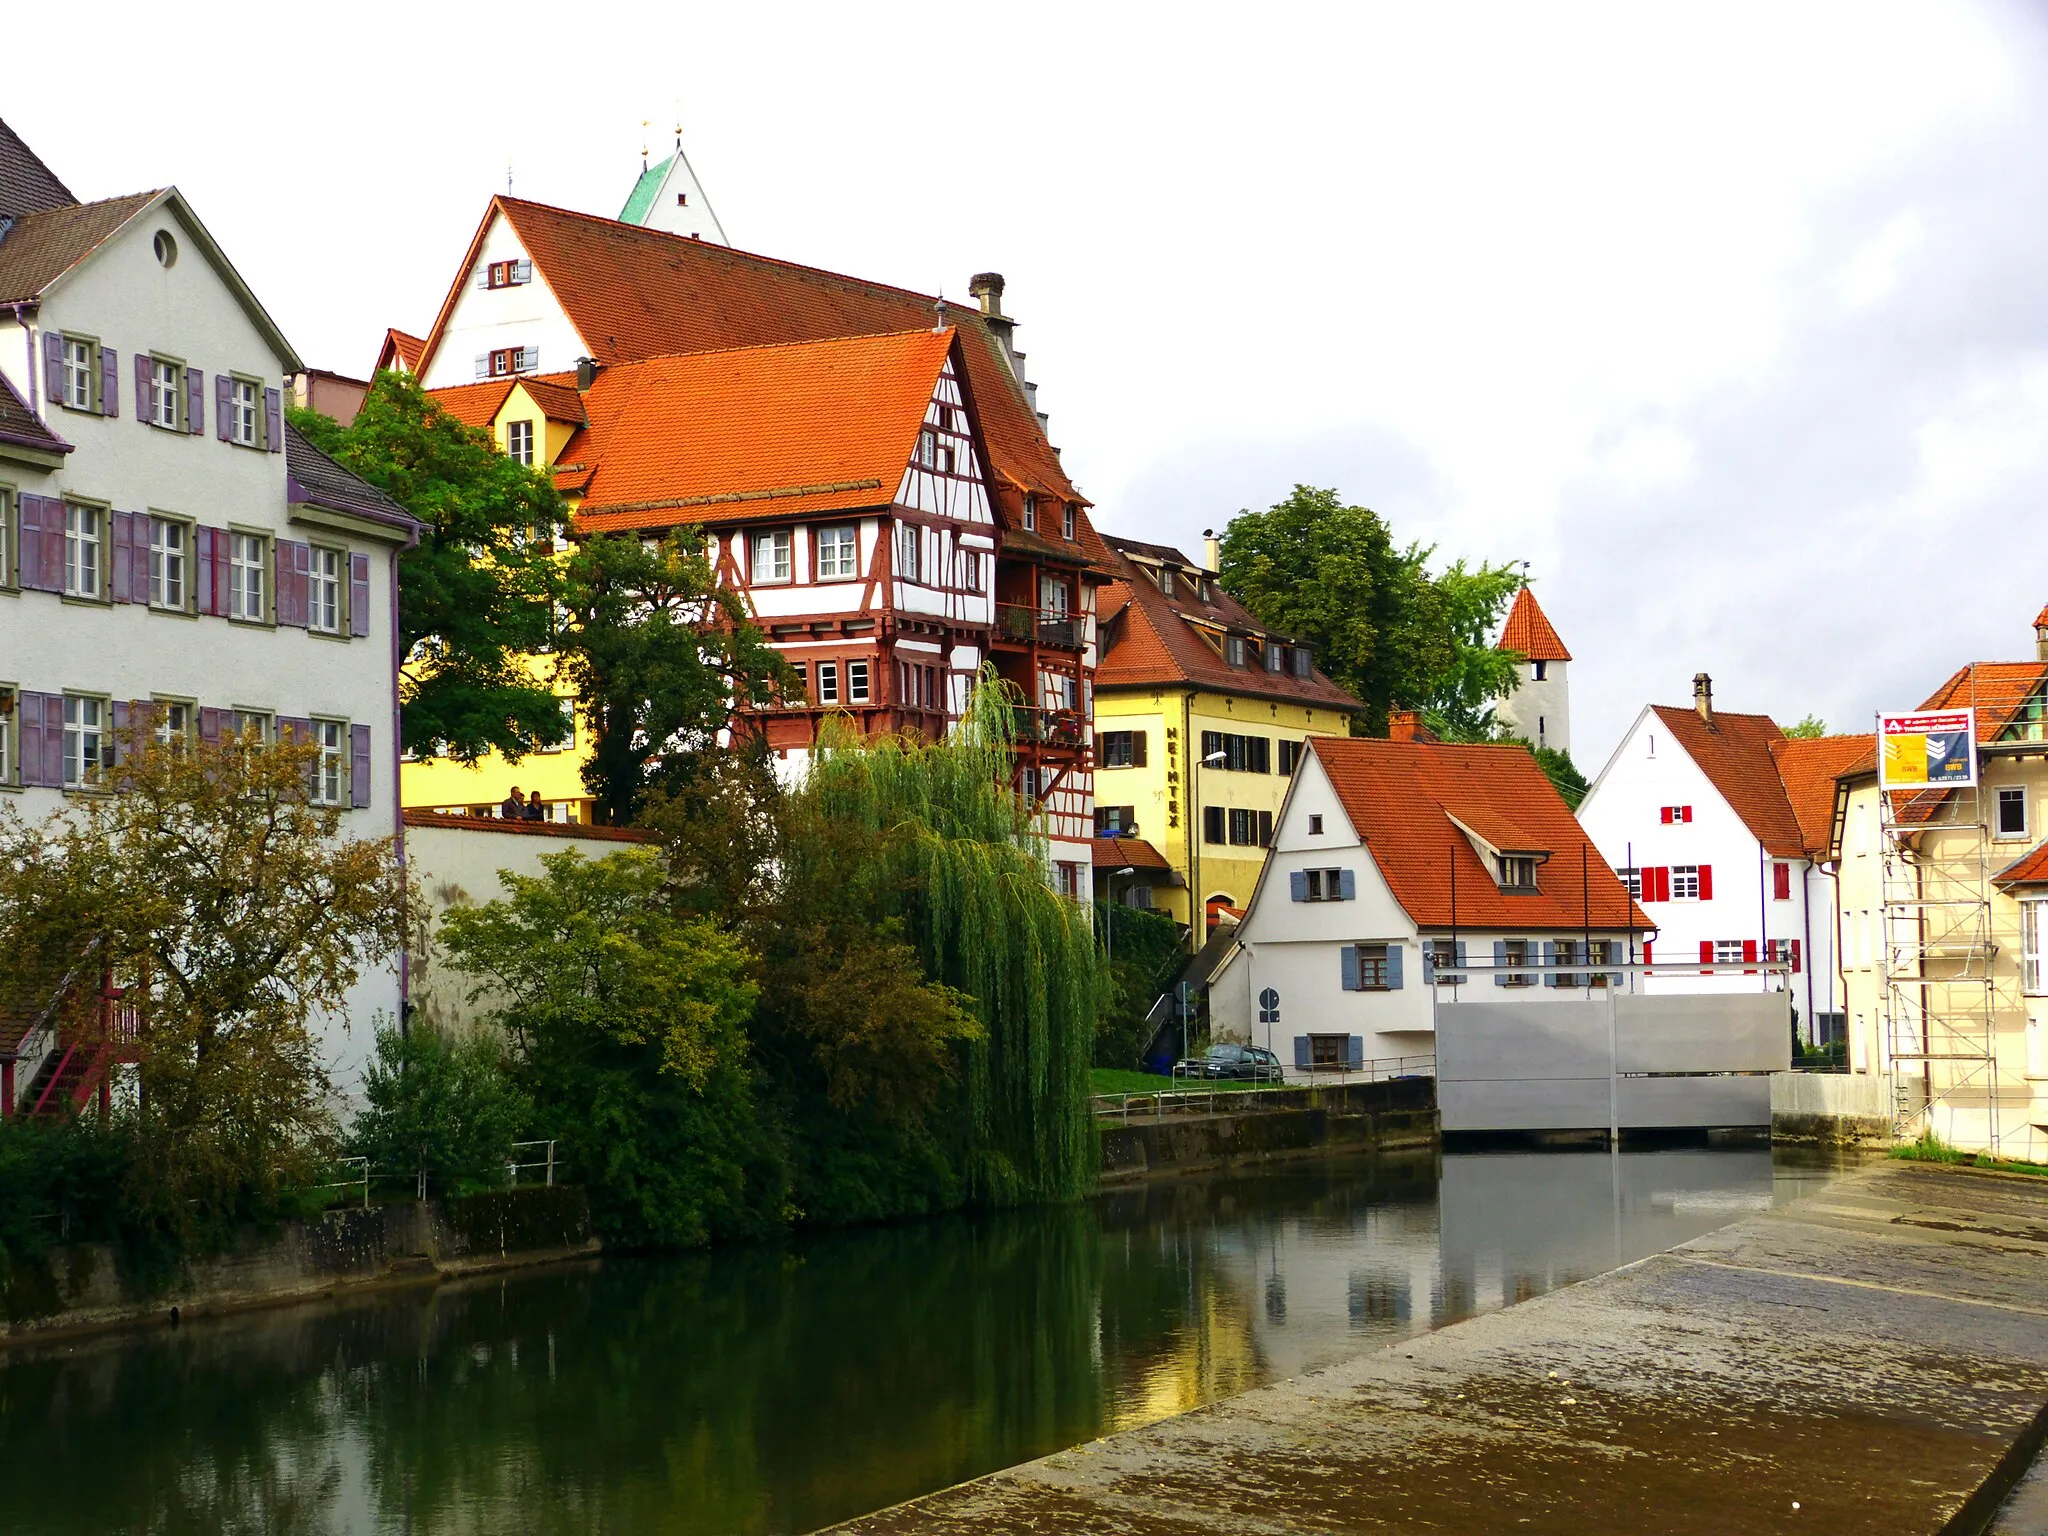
1240	1063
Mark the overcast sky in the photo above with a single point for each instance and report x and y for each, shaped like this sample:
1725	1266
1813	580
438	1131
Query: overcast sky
1734	323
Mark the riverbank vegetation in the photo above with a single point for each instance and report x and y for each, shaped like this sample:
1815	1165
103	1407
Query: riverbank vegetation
1931	1148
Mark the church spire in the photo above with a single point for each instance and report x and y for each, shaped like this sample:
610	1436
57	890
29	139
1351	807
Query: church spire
669	197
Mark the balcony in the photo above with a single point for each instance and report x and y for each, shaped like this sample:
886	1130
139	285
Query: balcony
1044	626
1049	727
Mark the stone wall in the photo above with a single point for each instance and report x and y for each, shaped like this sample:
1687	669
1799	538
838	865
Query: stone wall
1272	1124
79	1285
1831	1109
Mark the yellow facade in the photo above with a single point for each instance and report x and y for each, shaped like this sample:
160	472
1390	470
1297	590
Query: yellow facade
1169	792
442	785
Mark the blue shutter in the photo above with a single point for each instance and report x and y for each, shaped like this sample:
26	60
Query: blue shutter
1348	960
1394	966
1354	1051
359	766
1500	959
1550	961
53	369
1297	885
1459	960
1347	886
110	382
1301	1052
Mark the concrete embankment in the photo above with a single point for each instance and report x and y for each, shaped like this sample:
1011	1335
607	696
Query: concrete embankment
1871	1359
80	1285
1831	1109
1158	1140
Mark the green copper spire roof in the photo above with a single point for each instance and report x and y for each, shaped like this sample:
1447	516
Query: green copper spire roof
642	200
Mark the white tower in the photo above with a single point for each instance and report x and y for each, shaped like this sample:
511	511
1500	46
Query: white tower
1540	709
669	197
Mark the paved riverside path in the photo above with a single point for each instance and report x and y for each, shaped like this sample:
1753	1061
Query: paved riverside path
1872	1359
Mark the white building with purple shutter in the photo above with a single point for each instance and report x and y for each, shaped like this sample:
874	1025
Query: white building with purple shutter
167	543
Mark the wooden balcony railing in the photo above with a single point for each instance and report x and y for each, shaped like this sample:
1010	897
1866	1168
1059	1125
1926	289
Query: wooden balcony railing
1047	626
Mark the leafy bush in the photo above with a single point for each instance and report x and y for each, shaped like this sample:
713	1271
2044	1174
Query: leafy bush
59	1181
442	1107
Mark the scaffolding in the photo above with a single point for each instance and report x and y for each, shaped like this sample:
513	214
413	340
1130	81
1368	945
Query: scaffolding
1936	955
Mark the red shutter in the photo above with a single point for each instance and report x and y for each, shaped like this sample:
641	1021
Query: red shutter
1795	957
1706	882
1706	954
1665	815
1749	951
1781	882
1685	813
1649	951
1664	882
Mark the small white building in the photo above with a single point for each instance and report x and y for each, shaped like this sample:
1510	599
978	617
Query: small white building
1395	863
1719	823
167	543
1540	708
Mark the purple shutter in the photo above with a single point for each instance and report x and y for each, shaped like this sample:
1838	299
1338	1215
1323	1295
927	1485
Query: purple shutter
121	533
33	510
223	565
300	731
281	558
302	584
49	759
145	388
53	543
124	716
29	737
213	724
359	594
202	570
222	411
110	382
273	420
195	401
138	590
359	766
53	369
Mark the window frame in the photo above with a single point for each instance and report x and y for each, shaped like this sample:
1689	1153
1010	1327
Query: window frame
95	398
910	553
1509	867
240	719
1685	882
785	548
2034	946
102	528
1069	520
101	729
161	366
513	444
1374	969
845	552
1520	969
263	567
2009	794
1323	884
161	728
10	695
237	382
10	541
315	581
331	763
828	683
859	682
1119	749
1315	824
187	593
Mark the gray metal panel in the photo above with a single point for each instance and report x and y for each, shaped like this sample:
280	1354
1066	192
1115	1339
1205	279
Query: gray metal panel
1549	1104
1694	1101
1478	1042
1710	1032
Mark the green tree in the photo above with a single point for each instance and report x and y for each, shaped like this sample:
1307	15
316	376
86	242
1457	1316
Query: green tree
1563	774
660	657
1380	625
234	912
439	1107
476	597
628	1025
1812	726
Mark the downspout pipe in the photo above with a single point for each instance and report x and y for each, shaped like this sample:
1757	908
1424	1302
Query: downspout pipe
397	779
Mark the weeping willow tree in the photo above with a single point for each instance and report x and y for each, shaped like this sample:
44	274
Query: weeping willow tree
951	852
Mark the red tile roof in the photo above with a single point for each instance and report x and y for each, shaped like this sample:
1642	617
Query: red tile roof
401	350
1115	853
1400	797
556	396
474	405
20	425
1734	752
1528	631
811	427
1808	768
1149	640
1998	690
43	246
2041	619
2029	870
635	293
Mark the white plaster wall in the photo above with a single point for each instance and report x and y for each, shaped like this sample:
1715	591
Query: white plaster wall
484	319
693	217
1540	712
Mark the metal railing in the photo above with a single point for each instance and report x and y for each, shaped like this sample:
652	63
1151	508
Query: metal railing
1047	626
1222	1098
1050	727
364	1180
547	1162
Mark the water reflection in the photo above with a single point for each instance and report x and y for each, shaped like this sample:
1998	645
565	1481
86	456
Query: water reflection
773	1390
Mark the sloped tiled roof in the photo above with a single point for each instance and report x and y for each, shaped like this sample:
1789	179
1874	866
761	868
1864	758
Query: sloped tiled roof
1528	631
401	350
478	404
812	427
634	293
557	396
312	477
1114	853
1808	767
19	424
2041	619
26	184
1997	690
1149	642
1400	797
2032	869
1735	755
42	247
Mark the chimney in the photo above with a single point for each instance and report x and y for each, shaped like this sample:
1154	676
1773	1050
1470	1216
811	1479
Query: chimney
987	287
1212	551
1406	725
586	374
1703	696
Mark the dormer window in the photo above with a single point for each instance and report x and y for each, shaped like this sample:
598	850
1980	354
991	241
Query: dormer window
1302	661
1276	656
508	274
1030	512
1068	519
519	441
1515	871
1233	650
1166	579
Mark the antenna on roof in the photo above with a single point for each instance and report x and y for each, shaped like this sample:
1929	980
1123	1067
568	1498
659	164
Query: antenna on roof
939	309
508	175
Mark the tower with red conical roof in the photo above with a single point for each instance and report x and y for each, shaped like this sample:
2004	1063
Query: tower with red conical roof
1539	710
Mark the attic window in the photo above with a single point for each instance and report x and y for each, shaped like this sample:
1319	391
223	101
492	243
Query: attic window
1068	519
166	248
1301	661
1166	579
508	274
1515	871
1233	650
1030	512
682	199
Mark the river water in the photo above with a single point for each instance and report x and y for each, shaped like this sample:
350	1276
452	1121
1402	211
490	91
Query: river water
781	1389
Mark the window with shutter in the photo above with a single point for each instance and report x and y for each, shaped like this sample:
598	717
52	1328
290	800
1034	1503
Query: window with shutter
84	551
195	401
359	595
273	420
359	766
166	394
1781	882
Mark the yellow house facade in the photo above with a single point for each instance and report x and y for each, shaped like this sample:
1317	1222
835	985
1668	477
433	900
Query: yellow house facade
1200	716
531	418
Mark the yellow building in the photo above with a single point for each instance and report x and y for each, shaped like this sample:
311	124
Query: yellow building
1200	713
531	417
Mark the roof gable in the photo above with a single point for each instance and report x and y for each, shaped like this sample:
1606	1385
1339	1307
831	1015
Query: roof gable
1528	631
814	427
1405	799
1734	752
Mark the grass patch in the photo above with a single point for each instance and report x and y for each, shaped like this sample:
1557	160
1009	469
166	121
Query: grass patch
1122	1080
1930	1148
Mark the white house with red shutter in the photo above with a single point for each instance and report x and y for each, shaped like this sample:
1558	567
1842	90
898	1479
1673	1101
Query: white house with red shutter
169	549
1719	824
